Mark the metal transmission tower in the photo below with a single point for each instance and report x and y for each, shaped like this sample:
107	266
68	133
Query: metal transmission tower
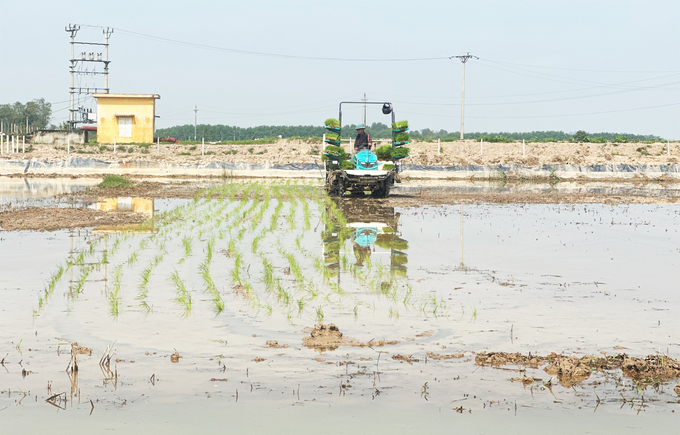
464	58
81	115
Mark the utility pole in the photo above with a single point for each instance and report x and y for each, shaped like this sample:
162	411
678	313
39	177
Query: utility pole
72	30
364	100
464	58
195	119
107	33
83	59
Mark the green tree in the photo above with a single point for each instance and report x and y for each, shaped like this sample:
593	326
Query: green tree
581	136
37	112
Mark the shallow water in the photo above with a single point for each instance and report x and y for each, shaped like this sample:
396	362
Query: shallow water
578	279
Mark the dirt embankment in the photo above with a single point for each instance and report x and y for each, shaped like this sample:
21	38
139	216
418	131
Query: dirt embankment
50	219
465	152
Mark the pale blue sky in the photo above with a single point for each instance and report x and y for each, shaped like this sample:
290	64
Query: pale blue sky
544	65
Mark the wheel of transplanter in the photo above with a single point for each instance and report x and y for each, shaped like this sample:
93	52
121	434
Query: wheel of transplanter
336	185
382	190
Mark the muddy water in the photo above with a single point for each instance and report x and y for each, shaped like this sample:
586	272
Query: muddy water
576	279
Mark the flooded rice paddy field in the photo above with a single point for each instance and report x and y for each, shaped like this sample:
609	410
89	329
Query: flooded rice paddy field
205	317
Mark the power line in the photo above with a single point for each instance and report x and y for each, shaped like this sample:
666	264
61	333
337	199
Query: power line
266	54
579	69
562	79
578	114
507	103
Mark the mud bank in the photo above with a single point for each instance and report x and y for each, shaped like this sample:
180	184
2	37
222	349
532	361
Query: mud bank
76	166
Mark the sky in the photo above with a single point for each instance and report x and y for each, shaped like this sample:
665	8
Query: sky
596	65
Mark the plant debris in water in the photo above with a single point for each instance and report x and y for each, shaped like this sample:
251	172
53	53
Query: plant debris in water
328	337
571	370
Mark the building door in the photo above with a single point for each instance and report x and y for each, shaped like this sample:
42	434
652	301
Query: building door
125	126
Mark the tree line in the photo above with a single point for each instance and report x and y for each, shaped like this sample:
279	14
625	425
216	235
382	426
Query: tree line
378	130
15	117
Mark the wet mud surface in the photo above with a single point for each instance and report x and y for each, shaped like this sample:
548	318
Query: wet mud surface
513	317
50	219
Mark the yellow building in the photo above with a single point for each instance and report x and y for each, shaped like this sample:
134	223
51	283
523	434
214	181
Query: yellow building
127	118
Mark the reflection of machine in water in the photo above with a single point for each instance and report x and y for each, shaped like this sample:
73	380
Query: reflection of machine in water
372	229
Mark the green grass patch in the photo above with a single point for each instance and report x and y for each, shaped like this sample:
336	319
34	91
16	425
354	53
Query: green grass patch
116	181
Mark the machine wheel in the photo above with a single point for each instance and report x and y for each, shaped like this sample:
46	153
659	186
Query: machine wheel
336	186
382	190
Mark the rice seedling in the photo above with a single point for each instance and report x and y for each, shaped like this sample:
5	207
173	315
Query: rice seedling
84	273
218	303
209	249
133	258
114	294
186	242
183	296
319	315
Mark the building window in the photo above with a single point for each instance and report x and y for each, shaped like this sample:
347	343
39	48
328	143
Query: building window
125	126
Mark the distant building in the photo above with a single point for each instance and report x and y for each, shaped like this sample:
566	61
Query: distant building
127	118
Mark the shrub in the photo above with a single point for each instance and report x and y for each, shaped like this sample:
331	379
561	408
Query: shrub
115	181
499	138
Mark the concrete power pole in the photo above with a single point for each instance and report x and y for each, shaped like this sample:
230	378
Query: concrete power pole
464	58
364	100
78	115
195	119
72	30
